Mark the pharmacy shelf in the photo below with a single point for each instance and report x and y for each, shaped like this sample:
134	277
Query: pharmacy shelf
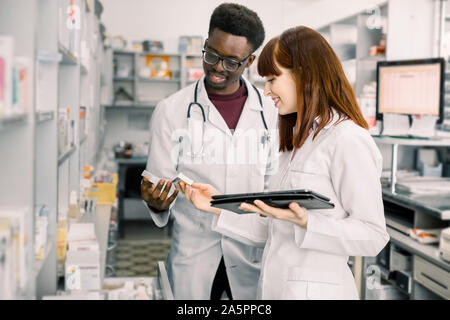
66	155
132	106
101	219
44	116
122	52
159	80
13	121
39	263
432	142
58	79
67	56
146	53
123	79
429	252
437	205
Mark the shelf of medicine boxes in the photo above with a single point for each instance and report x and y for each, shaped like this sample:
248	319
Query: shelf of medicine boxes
67	56
142	105
17	135
13	121
178	65
352	38
79	85
33	148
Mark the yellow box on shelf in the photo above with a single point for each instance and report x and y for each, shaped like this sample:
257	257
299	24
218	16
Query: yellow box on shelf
105	192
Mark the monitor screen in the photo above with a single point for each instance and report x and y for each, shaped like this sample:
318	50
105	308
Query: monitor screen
410	87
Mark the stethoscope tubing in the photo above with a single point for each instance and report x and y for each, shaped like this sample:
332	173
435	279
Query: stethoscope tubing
203	110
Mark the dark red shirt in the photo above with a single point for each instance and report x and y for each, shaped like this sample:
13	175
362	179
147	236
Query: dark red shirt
230	106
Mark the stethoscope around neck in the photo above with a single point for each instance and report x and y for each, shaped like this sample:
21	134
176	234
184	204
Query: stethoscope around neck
196	130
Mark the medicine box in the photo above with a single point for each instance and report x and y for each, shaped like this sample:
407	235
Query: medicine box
105	193
82	270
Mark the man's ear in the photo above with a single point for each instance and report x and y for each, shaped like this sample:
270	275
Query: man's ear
250	61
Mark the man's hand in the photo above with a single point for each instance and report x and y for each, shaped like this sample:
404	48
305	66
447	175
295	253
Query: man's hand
157	197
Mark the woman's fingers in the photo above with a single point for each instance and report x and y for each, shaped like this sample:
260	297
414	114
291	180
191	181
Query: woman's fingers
297	209
268	210
198	185
181	186
188	193
249	207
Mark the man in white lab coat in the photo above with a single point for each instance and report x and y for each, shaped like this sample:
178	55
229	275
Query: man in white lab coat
227	139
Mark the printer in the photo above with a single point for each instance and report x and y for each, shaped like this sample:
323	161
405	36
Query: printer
444	244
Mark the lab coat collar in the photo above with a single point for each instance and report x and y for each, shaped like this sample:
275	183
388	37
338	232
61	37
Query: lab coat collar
334	119
214	116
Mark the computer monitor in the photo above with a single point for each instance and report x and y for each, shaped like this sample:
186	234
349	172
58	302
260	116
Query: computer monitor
410	87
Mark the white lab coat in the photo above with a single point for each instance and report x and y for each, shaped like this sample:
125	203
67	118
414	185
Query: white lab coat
196	250
344	164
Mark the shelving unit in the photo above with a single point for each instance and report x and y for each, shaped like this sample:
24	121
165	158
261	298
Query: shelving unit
144	93
64	73
446	54
352	38
129	75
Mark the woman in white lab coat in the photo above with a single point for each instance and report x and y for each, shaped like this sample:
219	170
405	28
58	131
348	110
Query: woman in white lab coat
327	148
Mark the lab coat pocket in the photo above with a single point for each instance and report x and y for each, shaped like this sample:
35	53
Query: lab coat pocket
313	284
309	176
256	254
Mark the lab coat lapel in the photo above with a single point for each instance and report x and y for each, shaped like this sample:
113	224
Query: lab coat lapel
213	116
307	149
251	113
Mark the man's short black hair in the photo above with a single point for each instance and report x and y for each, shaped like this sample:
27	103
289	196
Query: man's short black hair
239	21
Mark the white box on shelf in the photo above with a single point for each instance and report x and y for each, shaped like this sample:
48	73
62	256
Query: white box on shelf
63	130
83	246
7	287
81	232
17	217
82	270
40	236
6	69
444	244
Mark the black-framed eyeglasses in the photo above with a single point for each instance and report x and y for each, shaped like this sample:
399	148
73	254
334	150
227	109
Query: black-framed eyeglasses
227	63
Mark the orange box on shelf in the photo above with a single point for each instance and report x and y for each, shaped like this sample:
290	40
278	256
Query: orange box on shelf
159	66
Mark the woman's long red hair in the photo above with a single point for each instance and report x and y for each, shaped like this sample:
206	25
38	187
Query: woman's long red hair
320	79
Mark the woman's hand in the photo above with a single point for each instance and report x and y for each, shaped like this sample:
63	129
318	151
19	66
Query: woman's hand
294	214
200	195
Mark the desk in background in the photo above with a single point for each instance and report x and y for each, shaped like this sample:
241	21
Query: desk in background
129	186
430	274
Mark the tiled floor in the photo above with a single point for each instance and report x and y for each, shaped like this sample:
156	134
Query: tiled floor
139	251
